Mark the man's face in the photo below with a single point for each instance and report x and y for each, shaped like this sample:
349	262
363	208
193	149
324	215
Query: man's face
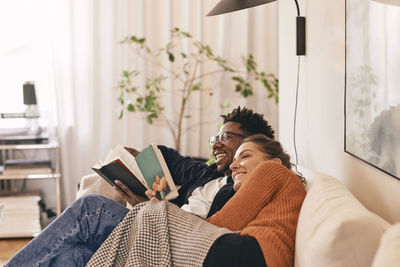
224	153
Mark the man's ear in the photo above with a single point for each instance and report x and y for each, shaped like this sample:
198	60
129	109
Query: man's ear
277	160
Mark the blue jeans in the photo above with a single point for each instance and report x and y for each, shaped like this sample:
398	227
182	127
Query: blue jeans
74	236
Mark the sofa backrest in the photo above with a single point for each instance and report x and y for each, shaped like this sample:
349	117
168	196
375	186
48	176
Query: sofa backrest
334	228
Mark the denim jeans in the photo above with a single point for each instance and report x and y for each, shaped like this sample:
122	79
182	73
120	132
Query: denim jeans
74	236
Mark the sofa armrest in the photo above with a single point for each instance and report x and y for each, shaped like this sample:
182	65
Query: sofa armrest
94	184
388	251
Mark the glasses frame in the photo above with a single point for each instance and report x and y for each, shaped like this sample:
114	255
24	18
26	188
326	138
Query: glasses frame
217	138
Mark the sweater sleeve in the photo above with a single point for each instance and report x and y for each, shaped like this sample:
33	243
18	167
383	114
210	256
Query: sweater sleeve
255	193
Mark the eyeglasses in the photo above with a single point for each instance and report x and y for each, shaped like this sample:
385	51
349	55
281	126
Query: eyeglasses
222	137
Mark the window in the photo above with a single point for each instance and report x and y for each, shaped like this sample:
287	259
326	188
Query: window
22	25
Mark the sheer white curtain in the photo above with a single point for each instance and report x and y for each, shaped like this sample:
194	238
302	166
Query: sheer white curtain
88	59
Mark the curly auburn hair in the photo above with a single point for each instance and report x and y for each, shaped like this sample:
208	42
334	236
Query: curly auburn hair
250	122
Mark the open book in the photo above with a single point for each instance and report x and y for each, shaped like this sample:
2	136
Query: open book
147	170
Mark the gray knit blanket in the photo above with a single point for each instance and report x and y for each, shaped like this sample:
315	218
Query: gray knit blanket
158	234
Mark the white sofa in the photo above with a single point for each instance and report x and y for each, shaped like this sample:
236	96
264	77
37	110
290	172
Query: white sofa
334	228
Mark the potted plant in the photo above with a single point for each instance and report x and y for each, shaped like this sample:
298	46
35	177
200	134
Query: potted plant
184	68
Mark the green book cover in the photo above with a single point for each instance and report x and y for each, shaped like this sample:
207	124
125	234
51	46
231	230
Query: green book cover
151	168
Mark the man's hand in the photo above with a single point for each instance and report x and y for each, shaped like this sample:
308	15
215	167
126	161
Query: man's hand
128	195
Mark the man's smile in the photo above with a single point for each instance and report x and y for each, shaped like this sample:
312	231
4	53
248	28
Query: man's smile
219	155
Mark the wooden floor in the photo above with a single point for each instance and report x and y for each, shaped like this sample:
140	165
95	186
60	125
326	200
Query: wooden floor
8	247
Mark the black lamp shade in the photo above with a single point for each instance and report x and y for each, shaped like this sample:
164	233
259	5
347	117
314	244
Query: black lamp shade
29	94
226	6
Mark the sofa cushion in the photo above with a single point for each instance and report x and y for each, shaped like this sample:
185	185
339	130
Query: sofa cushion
94	184
388	253
334	228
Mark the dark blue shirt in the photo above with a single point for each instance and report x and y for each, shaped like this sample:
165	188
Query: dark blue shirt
190	174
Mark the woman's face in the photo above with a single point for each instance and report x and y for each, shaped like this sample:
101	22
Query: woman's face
245	161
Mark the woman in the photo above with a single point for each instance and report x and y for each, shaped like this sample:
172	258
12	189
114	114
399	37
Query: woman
268	200
264	209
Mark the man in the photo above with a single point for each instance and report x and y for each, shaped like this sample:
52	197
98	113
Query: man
209	187
78	232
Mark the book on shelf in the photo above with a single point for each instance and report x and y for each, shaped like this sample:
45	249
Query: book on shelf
22	166
148	170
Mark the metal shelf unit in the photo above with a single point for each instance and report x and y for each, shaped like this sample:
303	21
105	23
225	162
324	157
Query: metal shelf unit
55	174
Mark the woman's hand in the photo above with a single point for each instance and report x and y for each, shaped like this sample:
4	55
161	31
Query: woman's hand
151	194
127	194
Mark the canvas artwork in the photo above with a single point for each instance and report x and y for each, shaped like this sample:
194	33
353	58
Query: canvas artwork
372	104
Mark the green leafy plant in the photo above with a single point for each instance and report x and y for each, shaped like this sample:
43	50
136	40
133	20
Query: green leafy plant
172	61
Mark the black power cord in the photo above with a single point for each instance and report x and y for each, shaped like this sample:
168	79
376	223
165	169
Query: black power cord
302	178
295	111
300	51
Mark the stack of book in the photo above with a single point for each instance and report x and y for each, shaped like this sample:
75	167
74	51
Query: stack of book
20	216
1	211
25	167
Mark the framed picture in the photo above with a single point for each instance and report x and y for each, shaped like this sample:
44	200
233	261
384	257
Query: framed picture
372	90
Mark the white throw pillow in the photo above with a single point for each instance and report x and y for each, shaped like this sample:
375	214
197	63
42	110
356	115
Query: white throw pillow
335	229
388	254
94	184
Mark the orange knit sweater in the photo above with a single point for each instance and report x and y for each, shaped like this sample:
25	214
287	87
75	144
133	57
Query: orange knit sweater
266	207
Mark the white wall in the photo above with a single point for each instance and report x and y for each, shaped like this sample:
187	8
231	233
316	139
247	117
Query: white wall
320	121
